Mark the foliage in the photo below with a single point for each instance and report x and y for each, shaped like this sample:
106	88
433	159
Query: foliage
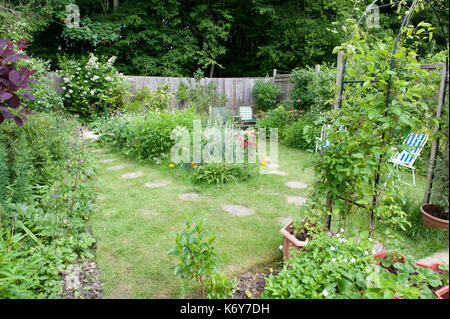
440	190
203	98
278	118
47	98
302	133
409	281
221	173
195	248
147	135
354	169
266	94
146	99
13	79
331	267
311	91
91	86
49	196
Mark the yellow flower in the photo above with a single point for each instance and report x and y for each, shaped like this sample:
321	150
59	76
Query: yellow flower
171	165
248	293
192	163
184	147
271	270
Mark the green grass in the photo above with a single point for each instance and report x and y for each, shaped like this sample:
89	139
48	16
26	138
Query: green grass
135	225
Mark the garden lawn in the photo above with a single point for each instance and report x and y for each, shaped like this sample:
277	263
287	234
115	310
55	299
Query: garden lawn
135	225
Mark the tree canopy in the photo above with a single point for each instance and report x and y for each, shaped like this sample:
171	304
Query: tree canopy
175	38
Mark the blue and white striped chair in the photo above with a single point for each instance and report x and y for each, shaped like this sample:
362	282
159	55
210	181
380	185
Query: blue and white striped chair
246	115
407	157
322	141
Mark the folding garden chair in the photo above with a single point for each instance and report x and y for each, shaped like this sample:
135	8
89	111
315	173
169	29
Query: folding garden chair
322	141
246	116
407	158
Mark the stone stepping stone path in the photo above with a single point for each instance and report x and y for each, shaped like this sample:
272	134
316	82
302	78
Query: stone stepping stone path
101	155
284	220
277	172
297	200
117	167
107	160
189	196
159	183
97	150
237	210
132	175
296	184
438	257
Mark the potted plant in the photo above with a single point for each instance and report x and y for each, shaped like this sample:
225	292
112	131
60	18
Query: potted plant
436	213
410	280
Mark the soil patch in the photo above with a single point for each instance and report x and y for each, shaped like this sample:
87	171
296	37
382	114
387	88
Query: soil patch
437	212
82	281
254	283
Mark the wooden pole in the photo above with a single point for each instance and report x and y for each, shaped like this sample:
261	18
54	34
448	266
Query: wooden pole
339	74
435	143
274	75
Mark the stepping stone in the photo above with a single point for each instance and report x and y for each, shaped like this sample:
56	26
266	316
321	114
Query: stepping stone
284	220
237	210
189	196
277	172
132	175
117	167
97	150
438	257
297	200
107	160
101	155
296	184
159	183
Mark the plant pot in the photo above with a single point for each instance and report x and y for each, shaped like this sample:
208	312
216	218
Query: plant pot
442	293
431	221
290	241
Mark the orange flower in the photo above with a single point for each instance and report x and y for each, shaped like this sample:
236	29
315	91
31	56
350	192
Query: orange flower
195	166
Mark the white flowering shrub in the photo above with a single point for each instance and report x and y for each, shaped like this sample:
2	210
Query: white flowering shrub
92	86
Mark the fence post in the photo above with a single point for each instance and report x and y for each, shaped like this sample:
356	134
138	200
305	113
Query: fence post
274	75
317	69
339	70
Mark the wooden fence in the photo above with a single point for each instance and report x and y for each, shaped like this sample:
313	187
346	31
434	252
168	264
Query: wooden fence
239	91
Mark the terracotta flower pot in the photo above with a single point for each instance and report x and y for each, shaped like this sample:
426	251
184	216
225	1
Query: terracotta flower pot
290	241
431	221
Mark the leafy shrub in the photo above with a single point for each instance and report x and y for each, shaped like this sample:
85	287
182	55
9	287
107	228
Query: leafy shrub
202	98
266	94
91	86
49	194
47	98
302	133
146	99
278	118
311	91
331	267
13	79
147	135
194	246
221	173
